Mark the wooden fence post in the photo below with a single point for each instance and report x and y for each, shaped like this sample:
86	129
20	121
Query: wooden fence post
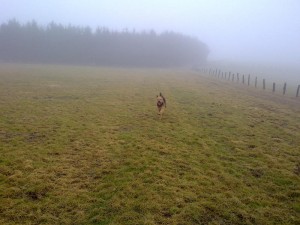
243	78
273	87
298	90
284	88
264	84
255	82
237	77
248	79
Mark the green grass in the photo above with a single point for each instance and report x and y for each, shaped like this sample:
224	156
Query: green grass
84	145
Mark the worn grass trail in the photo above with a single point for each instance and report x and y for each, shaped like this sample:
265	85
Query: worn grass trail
84	145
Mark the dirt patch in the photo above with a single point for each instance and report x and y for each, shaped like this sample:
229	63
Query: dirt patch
297	169
35	136
257	172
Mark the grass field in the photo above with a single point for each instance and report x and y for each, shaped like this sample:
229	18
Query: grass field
84	145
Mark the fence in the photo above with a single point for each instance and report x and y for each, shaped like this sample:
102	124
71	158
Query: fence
236	78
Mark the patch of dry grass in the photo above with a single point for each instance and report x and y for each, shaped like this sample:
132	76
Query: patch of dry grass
84	145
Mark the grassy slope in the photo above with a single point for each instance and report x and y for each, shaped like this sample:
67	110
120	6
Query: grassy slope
84	145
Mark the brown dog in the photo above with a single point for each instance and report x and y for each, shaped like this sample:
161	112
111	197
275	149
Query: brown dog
161	104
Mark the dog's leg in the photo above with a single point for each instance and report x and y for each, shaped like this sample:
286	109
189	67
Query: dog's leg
161	112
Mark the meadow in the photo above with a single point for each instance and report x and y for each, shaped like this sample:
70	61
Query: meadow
84	145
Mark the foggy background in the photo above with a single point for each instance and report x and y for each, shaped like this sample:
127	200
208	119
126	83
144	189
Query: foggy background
255	33
61	44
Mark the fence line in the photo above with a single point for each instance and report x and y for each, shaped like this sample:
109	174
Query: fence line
231	77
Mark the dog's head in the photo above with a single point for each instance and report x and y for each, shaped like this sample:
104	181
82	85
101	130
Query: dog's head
160	100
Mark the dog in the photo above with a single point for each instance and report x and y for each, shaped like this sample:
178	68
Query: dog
161	104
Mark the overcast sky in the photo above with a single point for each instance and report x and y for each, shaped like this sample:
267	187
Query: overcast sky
239	30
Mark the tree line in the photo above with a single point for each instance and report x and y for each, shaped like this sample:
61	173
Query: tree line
56	43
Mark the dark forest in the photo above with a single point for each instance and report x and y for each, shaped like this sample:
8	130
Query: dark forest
56	43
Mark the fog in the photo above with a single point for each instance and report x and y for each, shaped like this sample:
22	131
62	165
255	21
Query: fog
256	31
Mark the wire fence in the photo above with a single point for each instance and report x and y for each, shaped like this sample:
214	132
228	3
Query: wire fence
249	81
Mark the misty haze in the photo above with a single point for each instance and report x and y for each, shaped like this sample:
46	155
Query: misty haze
260	37
149	112
55	43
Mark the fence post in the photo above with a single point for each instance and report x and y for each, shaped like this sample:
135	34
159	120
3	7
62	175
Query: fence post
255	82
273	87
284	88
248	79
264	84
237	77
298	90
243	78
